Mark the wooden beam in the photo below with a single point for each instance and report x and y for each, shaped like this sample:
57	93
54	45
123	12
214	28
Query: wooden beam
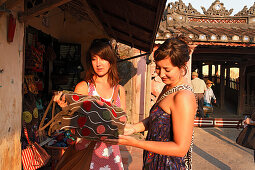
44	7
92	15
2	2
160	9
11	3
225	50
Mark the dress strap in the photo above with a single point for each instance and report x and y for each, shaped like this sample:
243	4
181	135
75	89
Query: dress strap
175	89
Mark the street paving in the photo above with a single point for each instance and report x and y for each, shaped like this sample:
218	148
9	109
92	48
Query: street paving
214	148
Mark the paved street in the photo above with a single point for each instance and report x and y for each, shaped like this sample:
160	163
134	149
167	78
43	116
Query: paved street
214	148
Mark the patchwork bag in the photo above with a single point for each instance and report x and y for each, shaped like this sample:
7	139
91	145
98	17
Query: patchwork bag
90	116
34	156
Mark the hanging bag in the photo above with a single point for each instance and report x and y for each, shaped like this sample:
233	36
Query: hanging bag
246	138
34	156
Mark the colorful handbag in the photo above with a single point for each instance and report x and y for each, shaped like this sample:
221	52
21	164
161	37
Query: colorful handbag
34	156
90	116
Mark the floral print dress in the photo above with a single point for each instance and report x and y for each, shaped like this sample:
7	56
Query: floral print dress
160	129
105	156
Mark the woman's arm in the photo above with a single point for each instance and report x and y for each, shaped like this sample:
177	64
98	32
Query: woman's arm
183	112
135	128
81	88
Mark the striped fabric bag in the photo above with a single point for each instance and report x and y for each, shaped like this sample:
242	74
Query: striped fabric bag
34	156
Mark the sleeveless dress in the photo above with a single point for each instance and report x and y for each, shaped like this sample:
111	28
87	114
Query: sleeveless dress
105	156
160	129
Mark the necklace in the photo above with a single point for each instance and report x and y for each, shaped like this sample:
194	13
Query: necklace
173	90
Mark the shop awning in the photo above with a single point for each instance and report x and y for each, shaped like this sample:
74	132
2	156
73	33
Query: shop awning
132	22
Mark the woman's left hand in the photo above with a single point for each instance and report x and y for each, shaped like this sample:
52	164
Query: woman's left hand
248	121
123	140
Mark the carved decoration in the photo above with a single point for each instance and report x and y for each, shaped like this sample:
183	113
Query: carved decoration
245	11
217	9
180	8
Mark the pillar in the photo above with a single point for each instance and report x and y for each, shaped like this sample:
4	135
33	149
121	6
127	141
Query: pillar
241	92
222	86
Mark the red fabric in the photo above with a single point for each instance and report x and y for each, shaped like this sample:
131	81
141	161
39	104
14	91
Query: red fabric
87	105
75	97
81	121
11	28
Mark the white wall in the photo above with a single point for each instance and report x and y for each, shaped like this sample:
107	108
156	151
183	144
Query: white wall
11	61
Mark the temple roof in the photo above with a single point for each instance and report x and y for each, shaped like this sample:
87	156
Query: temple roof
215	26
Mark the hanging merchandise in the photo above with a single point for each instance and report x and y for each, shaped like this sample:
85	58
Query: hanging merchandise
30	81
11	28
37	54
27	116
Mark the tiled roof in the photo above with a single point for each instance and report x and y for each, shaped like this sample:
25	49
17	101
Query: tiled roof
215	26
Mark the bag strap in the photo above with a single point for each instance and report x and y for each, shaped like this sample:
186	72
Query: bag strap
25	132
115	93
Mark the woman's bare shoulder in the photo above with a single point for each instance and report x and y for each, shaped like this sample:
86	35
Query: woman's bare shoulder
81	88
185	95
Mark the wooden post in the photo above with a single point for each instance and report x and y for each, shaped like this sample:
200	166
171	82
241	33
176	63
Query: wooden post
210	72
241	94
228	77
216	74
133	108
148	86
200	70
222	86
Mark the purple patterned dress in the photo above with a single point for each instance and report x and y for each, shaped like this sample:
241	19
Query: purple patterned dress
160	129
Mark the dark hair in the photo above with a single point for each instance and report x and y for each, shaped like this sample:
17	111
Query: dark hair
103	48
175	48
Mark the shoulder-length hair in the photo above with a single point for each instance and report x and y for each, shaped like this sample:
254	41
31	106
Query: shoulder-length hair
102	47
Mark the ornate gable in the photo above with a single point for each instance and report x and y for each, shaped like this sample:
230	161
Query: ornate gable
180	8
246	12
217	9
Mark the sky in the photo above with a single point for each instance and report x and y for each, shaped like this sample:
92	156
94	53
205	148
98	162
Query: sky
237	5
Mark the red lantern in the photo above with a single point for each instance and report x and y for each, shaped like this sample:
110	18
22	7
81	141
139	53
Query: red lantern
11	28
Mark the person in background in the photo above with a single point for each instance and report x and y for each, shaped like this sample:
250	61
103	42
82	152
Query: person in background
209	96
199	89
101	80
168	144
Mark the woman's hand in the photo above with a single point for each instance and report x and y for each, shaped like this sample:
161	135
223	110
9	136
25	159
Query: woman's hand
248	121
60	100
129	129
123	140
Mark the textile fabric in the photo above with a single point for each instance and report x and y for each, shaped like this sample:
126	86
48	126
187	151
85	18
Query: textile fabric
160	129
106	156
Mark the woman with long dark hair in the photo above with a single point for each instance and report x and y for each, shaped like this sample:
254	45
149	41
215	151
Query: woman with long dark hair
101	80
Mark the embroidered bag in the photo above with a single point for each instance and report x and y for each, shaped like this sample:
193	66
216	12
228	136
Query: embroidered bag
91	117
34	156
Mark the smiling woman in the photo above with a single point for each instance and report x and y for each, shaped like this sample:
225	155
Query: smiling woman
170	124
